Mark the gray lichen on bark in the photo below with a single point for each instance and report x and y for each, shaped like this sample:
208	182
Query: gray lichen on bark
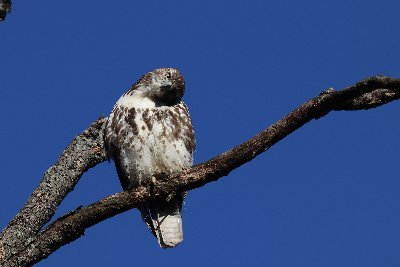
84	152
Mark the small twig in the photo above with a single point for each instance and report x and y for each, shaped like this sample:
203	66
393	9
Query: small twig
5	7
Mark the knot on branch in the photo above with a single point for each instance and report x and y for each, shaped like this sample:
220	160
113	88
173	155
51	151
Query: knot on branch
328	91
320	107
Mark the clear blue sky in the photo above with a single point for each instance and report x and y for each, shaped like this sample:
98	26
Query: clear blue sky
328	195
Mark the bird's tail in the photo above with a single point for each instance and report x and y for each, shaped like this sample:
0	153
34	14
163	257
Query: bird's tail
164	219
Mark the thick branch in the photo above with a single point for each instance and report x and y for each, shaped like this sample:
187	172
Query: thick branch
85	151
366	94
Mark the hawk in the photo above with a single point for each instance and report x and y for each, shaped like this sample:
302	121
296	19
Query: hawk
148	132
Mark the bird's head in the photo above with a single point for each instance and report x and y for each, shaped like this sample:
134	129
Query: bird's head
165	85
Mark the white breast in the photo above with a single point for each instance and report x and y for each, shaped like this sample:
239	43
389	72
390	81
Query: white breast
136	100
150	139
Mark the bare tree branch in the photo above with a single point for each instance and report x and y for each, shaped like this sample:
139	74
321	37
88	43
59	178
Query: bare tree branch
84	152
369	93
5	7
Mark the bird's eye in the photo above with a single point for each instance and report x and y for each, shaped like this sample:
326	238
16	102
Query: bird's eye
169	75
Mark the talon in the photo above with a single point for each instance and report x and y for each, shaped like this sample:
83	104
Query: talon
170	196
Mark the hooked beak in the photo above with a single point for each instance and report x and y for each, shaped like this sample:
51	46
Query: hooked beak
166	86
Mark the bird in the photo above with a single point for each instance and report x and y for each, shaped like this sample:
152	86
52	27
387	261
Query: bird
150	132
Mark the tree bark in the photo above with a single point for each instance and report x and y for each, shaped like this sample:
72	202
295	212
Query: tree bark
21	243
84	152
